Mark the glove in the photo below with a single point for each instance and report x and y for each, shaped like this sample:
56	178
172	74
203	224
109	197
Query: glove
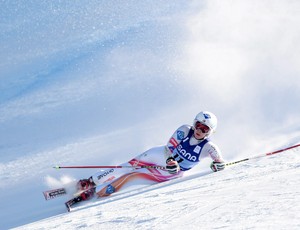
172	165
217	166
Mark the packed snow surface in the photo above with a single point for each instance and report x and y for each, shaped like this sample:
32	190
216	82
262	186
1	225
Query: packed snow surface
260	194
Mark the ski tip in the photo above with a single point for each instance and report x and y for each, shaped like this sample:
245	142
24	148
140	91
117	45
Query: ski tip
56	167
68	207
51	194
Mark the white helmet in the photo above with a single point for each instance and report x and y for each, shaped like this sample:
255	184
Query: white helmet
207	118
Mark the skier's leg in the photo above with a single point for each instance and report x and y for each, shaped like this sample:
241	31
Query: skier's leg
153	156
116	185
112	180
101	177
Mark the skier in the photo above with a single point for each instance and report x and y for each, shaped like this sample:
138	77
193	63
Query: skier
185	149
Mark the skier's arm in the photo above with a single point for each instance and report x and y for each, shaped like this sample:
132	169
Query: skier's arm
171	165
176	138
214	152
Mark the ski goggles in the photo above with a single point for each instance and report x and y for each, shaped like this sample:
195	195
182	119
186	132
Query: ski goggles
202	127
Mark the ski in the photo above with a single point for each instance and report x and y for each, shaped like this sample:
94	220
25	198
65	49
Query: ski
80	196
71	202
51	194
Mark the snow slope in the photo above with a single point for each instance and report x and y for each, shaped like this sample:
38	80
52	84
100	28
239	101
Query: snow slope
259	194
98	82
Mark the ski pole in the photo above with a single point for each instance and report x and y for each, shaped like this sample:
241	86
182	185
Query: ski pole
262	155
110	166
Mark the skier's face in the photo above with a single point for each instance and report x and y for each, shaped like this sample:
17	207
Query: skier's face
200	130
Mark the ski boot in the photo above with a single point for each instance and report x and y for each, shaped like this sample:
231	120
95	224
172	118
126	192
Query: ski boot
85	195
86	190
